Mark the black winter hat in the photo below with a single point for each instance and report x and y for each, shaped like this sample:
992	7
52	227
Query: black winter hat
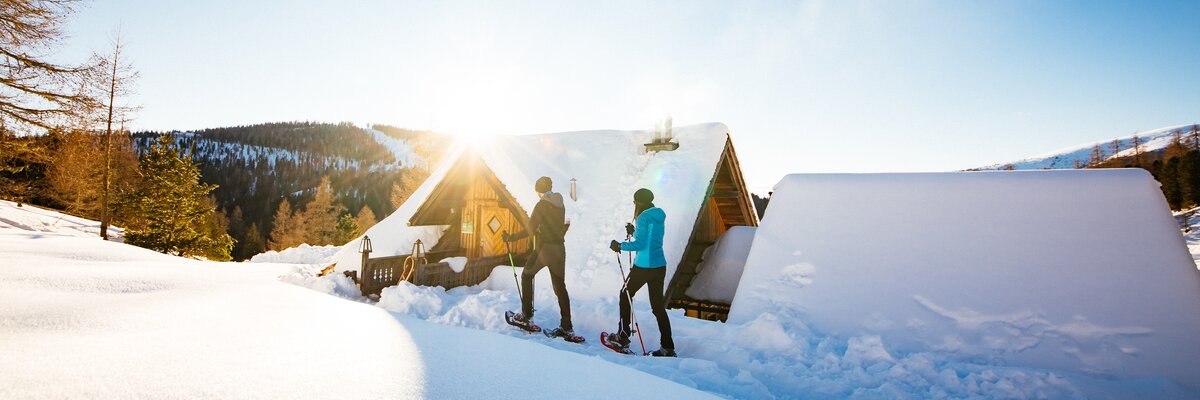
643	196
543	185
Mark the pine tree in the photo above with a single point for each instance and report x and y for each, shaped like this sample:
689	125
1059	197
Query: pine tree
1175	148
347	230
365	220
253	242
1194	137
217	228
397	196
285	232
35	92
321	216
410	180
74	178
1115	146
114	79
22	160
1137	150
170	209
1097	156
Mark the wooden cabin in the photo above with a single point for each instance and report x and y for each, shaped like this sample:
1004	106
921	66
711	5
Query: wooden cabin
478	210
484	190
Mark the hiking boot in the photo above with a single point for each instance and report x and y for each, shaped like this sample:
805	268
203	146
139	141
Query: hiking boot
560	332
520	318
663	353
618	339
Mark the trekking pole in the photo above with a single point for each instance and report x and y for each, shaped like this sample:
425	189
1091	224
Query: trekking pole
632	315
513	265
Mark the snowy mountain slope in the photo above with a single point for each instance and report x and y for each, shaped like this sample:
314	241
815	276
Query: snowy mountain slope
404	153
1073	157
86	318
34	218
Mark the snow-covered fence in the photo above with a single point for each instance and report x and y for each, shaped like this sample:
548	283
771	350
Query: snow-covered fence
382	272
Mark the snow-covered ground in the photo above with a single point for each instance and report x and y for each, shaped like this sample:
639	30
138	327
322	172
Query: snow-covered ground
80	317
1189	222
85	318
37	219
1072	157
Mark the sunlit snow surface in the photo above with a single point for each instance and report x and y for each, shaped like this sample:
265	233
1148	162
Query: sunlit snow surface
85	318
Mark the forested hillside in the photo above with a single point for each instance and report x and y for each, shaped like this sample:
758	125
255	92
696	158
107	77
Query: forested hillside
256	167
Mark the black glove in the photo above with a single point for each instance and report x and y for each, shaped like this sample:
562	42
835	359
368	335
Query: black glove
628	229
615	246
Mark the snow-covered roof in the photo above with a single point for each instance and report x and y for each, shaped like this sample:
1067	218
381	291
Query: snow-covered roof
608	167
1079	270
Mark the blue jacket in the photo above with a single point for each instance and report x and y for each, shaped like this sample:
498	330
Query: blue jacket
648	239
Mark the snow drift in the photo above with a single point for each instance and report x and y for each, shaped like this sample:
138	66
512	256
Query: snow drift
1078	270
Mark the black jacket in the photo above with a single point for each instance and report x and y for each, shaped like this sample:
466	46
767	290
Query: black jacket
548	221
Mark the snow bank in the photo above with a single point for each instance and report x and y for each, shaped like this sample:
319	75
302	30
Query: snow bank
86	318
302	254
721	266
37	219
1190	222
1080	271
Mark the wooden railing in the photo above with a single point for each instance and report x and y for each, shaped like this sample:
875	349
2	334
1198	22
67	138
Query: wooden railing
382	272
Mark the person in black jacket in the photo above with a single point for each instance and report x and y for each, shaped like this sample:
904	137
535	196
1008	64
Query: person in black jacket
548	226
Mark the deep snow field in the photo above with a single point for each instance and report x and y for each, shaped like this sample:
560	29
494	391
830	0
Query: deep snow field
80	317
85	318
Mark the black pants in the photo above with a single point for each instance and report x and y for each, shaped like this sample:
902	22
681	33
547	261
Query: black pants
639	276
552	256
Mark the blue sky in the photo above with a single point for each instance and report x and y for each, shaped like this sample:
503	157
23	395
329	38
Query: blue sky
805	86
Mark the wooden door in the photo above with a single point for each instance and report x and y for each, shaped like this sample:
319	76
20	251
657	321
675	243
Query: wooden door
493	222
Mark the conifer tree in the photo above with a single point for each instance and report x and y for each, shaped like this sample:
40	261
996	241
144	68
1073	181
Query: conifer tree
253	242
1097	156
1137	150
347	230
285	232
113	78
170	209
34	91
321	215
365	220
217	228
397	196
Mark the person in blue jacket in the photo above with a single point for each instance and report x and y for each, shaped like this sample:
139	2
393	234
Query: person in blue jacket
649	268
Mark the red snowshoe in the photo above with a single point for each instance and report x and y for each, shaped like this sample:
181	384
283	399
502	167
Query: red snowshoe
613	342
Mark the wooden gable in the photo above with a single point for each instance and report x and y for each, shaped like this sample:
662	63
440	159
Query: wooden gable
726	204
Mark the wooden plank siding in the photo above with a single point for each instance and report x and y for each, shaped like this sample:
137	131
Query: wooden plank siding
467	200
726	204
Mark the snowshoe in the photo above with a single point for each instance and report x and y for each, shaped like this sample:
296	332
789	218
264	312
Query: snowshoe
663	353
569	336
519	321
613	342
